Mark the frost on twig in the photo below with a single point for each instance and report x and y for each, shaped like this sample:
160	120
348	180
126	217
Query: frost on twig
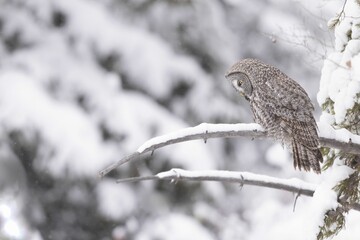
341	139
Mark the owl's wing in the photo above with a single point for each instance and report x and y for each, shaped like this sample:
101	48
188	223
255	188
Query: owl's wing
289	99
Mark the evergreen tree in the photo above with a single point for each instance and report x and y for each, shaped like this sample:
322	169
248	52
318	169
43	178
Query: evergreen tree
339	97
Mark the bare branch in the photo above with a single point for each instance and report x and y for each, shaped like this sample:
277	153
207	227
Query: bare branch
294	185
137	179
350	144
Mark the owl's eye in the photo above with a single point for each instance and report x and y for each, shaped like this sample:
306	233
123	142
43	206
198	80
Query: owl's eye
239	82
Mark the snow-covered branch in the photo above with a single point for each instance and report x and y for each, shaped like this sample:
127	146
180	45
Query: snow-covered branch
243	178
293	185
341	139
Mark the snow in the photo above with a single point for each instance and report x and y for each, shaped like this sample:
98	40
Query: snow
116	201
349	21
194	156
352	222
342	134
325	198
150	73
61	125
200	129
12	229
278	156
104	100
41	84
174	226
268	228
340	80
81	116
13	226
102	91
339	83
231	227
237	176
308	213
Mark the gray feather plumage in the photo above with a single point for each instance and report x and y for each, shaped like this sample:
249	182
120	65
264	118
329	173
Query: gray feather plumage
282	107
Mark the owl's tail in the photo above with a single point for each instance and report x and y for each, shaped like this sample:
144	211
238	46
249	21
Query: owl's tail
306	157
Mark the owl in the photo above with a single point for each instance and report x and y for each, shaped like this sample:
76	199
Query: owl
282	107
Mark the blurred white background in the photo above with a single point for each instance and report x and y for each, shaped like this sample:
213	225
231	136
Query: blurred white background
84	83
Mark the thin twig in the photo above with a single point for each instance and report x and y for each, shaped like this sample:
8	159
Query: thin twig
207	131
244	178
296	198
126	159
137	179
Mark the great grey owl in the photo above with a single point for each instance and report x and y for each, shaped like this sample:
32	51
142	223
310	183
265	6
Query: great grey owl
282	107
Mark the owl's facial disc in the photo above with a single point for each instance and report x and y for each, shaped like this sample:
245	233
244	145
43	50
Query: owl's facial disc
241	82
237	85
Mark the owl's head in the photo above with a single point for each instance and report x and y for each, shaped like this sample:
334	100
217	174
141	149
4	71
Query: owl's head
240	81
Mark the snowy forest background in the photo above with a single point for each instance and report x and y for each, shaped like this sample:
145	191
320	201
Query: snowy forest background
84	83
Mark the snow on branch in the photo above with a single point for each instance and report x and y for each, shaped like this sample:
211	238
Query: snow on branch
293	185
329	137
243	178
